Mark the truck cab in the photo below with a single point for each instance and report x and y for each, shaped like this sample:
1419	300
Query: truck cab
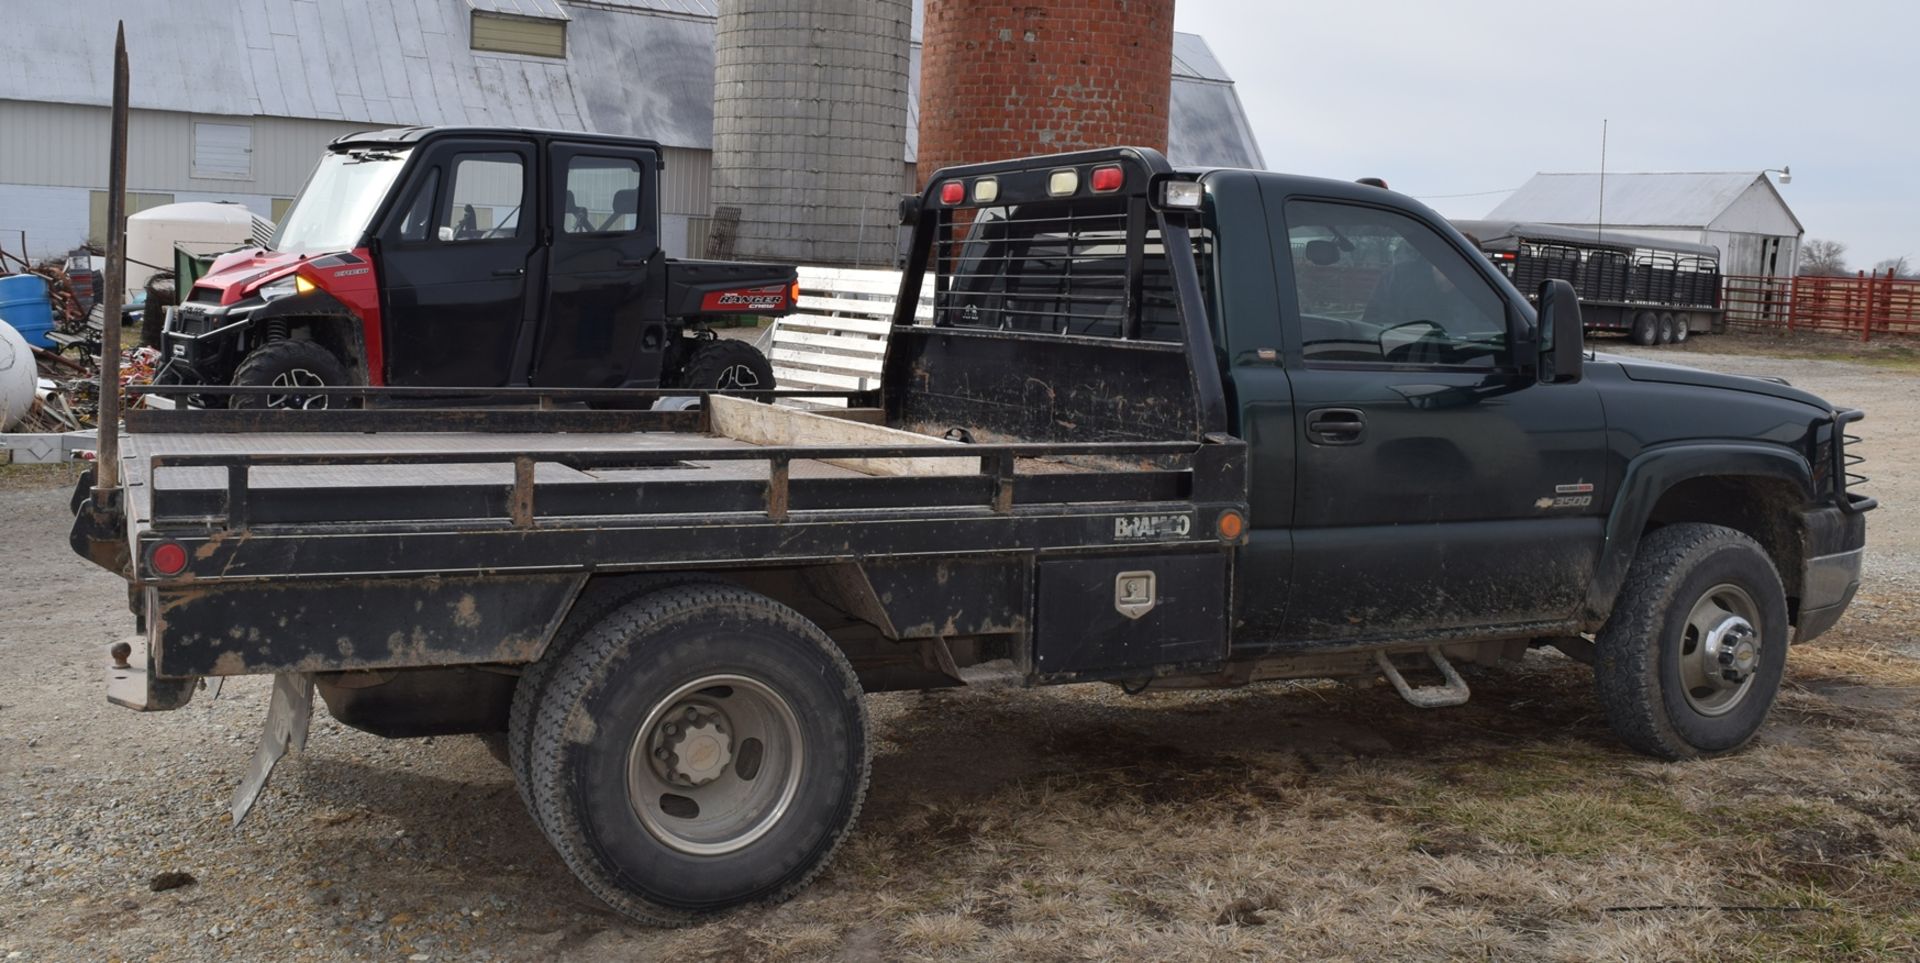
470	257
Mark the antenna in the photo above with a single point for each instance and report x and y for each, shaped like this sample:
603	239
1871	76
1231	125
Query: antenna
1601	218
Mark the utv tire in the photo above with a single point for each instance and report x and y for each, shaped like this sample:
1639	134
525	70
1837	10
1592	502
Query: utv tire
287	364
1646	329
723	364
1689	663
700	748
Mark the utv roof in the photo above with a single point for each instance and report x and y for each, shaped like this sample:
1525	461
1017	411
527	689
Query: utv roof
409	136
1502	235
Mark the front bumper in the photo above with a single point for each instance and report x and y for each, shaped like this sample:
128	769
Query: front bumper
1830	577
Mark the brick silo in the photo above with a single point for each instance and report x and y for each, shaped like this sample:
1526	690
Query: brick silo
1001	80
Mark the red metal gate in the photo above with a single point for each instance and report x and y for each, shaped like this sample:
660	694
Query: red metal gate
1864	305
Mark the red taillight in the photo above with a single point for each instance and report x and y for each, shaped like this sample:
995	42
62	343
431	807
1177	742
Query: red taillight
952	192
168	558
1108	179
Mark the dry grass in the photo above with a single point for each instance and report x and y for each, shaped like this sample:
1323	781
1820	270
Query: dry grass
1321	822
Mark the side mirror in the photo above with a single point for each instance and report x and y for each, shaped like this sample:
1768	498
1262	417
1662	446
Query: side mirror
1563	346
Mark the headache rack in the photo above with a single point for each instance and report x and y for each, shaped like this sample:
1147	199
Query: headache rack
1071	248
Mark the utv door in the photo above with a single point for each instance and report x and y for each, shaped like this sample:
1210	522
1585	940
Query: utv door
456	258
1438	486
598	329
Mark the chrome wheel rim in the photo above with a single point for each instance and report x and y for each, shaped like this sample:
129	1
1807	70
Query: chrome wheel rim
738	376
297	378
715	765
1720	648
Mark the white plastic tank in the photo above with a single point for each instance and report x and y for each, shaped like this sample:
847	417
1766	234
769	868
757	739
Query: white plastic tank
202	227
18	377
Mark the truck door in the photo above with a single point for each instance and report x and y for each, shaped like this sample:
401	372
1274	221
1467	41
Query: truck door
455	259
1439	486
598	331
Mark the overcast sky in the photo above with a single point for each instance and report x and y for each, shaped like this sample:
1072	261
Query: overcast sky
1448	97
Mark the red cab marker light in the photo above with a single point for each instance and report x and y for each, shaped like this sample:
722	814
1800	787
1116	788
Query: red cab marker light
1108	179
952	192
168	558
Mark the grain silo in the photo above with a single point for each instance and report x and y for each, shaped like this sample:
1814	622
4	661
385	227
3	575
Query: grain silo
809	129
1002	79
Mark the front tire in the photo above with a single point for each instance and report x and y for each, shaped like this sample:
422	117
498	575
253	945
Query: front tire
1691	658
701	748
291	365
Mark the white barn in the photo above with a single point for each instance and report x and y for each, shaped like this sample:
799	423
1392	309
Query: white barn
233	100
1739	212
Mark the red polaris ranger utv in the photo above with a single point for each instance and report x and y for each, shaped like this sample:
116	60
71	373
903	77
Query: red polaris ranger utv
471	257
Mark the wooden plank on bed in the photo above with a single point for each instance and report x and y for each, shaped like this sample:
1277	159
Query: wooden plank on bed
780	426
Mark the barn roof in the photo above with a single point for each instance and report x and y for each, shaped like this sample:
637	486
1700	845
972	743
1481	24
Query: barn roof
639	68
1692	200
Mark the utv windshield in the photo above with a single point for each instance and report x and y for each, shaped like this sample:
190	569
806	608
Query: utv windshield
332	211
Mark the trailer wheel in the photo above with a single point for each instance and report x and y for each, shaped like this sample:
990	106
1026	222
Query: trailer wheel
1682	327
1691	658
725	365
1666	328
700	748
291	365
1646	328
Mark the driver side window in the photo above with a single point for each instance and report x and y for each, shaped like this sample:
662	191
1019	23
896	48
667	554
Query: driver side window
487	193
1378	286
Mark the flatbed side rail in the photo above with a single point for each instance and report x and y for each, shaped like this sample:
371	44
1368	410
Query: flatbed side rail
1214	472
425	409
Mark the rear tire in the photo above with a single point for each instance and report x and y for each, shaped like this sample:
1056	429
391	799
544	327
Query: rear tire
287	364
773	727
1666	329
1646	329
600	598
723	364
1682	328
1701	601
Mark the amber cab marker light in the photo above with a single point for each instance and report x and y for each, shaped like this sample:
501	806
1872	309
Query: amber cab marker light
1230	525
168	558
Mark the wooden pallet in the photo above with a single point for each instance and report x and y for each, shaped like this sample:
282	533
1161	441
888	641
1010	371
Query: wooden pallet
837	340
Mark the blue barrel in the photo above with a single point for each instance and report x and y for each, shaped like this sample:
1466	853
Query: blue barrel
24	304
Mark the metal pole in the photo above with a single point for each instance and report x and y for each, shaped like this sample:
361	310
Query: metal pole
107	464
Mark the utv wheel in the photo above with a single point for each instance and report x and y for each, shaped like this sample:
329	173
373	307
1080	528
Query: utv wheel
726	365
292	365
702	747
1690	661
1646	328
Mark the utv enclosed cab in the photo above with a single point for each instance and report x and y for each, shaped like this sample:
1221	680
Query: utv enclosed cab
471	257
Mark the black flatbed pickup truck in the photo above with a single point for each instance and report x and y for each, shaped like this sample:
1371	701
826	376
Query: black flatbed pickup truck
1164	429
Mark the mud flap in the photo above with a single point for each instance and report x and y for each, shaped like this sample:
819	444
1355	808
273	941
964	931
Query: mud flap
288	712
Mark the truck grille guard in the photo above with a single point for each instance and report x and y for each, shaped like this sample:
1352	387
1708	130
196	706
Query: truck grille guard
1841	469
